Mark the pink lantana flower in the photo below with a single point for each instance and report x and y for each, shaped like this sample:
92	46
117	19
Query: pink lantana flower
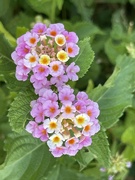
55	29
85	141
31	60
66	95
51	108
37	112
16	58
39	28
71	71
56	68
22	49
72	49
31	127
68	110
80	106
31	39
59	80
41	133
70	37
22	72
48	94
58	151
41	71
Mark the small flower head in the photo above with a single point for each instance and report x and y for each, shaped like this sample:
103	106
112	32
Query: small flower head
60	40
31	39
72	49
82	120
62	56
44	59
51	125
56	68
71	71
56	140
39	28
68	110
31	60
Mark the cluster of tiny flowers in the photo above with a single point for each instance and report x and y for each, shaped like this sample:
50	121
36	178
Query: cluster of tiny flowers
43	52
64	120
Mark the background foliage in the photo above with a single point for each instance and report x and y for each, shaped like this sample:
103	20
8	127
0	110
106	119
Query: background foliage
107	59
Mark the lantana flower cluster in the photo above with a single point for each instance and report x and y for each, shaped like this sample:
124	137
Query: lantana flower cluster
59	117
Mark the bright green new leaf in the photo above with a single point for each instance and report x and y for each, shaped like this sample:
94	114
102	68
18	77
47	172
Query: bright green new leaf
84	58
116	94
20	110
27	158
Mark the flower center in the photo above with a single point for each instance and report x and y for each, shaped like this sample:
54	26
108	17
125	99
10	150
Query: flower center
53	33
80	120
41	69
68	109
52	109
87	128
43	131
44	59
89	112
71	141
78	107
53	125
32	40
56	139
32	59
55	67
62	56
70	50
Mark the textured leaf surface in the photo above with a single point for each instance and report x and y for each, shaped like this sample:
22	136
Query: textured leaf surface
85	57
116	94
27	158
19	110
100	148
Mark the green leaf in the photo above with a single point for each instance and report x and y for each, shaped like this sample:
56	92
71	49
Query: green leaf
100	148
86	29
27	158
20	109
84	158
116	94
20	31
3	103
63	173
7	35
4	5
5	48
47	7
85	57
128	136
